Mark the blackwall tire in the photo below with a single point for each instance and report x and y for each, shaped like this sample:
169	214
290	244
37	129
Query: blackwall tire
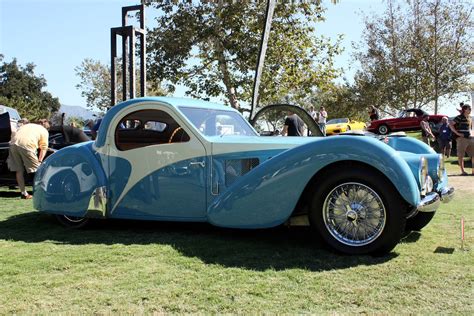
419	221
358	212
72	221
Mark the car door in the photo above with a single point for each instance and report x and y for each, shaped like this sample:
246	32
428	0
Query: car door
157	168
410	121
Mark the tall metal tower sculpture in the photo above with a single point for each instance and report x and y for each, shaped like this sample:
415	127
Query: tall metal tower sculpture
128	34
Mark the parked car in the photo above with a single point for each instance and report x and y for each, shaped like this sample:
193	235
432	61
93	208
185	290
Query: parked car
408	120
172	159
59	137
11	117
341	125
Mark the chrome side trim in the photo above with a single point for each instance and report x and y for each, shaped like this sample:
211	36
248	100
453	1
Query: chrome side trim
447	194
430	203
98	203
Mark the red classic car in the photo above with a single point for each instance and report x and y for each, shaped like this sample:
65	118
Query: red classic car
407	120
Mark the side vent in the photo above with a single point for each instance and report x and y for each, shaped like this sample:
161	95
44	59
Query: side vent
236	168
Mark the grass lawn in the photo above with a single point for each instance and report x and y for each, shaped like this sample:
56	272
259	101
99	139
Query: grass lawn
137	267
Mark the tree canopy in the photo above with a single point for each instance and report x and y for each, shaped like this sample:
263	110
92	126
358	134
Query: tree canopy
415	53
212	49
95	84
22	89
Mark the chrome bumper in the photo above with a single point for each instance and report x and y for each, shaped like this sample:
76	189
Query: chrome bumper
447	194
431	202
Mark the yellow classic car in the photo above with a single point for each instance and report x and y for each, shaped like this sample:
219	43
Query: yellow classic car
341	125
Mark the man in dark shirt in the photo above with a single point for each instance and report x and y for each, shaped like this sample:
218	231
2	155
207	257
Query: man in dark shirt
444	137
294	125
461	126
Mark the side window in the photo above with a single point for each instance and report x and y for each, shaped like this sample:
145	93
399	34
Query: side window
147	128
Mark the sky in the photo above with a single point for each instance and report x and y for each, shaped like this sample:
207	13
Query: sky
57	35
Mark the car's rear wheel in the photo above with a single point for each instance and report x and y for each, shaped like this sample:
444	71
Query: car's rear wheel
419	221
72	221
383	129
358	212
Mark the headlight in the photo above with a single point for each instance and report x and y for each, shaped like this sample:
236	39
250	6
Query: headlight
428	185
441	167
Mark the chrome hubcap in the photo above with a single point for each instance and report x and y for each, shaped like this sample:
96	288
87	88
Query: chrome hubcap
354	214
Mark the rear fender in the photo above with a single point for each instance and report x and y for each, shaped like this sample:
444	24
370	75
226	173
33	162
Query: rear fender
67	182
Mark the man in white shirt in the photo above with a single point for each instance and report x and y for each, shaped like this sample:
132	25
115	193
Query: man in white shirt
312	112
322	116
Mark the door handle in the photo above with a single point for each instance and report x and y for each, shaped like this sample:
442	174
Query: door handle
197	163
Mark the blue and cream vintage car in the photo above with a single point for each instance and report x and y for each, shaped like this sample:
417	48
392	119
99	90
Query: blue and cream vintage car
173	159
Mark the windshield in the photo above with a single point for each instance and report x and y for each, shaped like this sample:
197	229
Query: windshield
338	120
218	122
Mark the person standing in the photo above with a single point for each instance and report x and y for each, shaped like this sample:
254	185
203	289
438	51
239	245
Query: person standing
322	116
312	113
373	113
23	151
444	138
294	125
461	126
426	133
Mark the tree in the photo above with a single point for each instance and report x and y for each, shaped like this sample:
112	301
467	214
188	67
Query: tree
95	84
21	89
414	54
212	48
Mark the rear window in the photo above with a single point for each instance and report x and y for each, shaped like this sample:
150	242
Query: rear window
12	112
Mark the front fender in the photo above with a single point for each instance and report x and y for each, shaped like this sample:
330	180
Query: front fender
65	181
268	194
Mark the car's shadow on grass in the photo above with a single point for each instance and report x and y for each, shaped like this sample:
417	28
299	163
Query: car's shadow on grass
277	248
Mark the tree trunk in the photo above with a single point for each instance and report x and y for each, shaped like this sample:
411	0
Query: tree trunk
436	75
220	56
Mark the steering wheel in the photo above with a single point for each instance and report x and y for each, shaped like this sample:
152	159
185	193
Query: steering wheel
176	130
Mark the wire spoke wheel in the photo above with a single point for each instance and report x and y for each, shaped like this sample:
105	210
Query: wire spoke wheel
354	214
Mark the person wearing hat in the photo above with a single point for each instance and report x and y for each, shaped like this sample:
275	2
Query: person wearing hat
461	126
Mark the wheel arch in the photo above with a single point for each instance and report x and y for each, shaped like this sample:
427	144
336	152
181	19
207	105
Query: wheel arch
326	171
81	167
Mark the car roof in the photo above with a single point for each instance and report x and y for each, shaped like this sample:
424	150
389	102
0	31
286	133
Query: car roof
167	101
14	115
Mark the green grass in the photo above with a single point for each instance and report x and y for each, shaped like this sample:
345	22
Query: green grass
141	267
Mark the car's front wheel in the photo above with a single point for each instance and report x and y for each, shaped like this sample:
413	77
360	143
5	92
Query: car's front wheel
358	212
72	221
383	129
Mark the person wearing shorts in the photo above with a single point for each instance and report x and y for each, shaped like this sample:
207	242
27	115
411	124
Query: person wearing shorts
461	126
23	152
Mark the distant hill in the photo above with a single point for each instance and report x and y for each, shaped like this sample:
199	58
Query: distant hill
77	111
